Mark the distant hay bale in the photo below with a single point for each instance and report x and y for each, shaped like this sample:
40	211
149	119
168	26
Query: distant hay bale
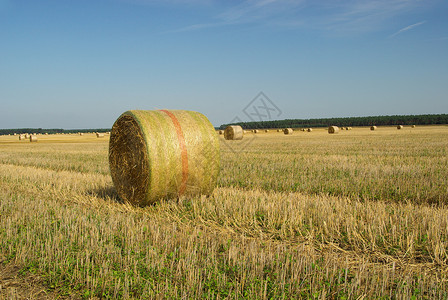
81	134
288	131
333	129
233	132
27	136
33	138
220	131
309	129
400	127
413	126
278	130
99	135
266	130
373	127
21	137
346	128
255	131
163	154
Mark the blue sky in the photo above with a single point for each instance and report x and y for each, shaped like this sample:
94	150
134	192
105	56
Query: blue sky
80	64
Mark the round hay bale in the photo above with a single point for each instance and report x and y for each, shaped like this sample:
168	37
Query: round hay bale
220	131
399	126
373	128
21	137
333	129
233	132
81	134
309	129
99	135
33	138
288	131
346	128
163	154
413	126
278	130
255	131
266	130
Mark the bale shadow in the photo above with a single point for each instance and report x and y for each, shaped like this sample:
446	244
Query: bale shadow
108	194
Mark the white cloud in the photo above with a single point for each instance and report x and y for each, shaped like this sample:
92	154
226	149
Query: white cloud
408	28
327	15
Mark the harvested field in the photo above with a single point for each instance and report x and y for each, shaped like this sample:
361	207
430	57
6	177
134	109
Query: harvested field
351	215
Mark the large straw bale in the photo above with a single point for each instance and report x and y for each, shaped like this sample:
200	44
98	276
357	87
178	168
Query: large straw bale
163	154
399	126
309	129
373	128
33	138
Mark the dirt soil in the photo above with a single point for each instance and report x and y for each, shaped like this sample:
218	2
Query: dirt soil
14	285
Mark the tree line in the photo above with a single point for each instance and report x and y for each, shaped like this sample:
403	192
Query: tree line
49	131
434	119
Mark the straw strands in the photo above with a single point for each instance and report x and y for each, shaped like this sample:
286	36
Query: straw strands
163	154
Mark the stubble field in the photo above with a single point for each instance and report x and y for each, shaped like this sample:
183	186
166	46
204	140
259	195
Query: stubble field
359	214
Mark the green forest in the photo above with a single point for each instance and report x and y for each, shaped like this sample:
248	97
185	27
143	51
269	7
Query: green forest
49	131
349	121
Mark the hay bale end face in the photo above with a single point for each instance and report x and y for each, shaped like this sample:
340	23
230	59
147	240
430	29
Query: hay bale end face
333	129
220	131
233	132
309	129
255	131
266	130
413	126
373	128
163	154
400	127
33	138
288	131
